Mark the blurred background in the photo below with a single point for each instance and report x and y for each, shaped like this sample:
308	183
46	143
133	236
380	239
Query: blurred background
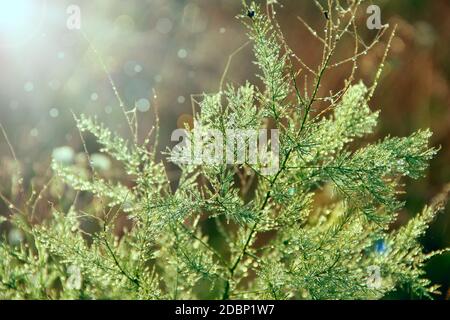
160	52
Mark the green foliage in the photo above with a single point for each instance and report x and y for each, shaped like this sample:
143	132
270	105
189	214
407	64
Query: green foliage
311	230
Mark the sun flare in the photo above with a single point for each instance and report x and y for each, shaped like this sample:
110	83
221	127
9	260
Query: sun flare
19	20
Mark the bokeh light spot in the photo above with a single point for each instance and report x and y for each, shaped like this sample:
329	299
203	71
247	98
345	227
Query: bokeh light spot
143	105
34	132
164	25
108	109
158	78
125	23
54	84
29	86
182	53
54	113
131	68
